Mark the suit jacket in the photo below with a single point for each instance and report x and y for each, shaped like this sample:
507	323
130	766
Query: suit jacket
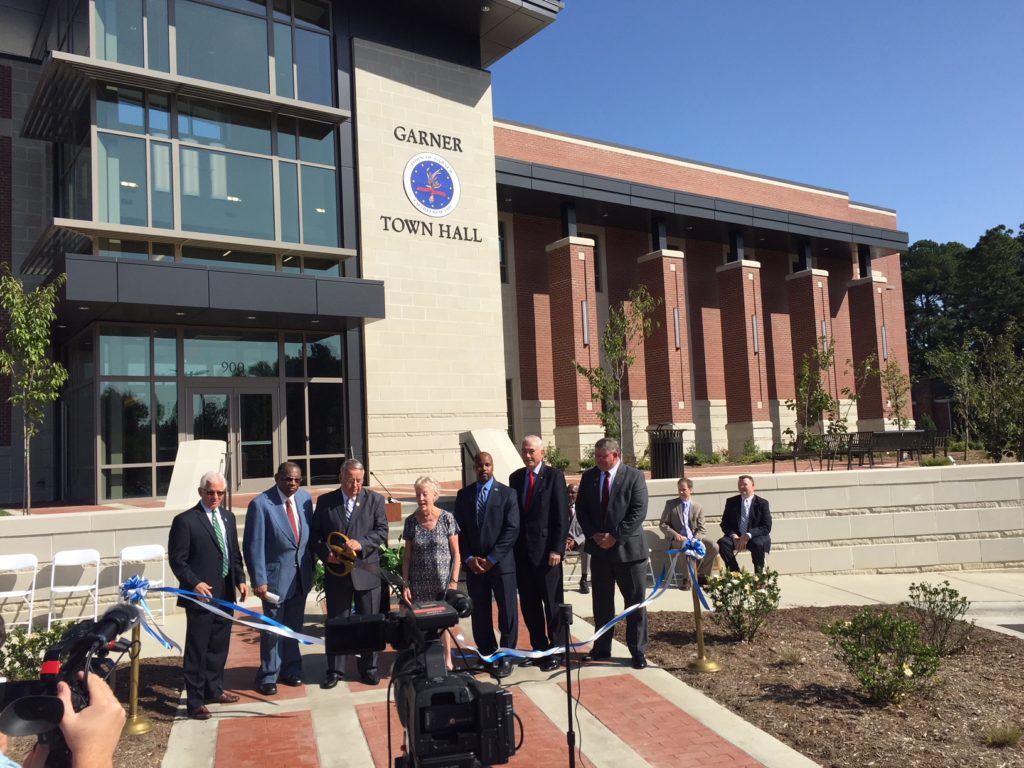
195	556
369	526
542	528
627	508
575	529
496	539
671	524
272	555
759	524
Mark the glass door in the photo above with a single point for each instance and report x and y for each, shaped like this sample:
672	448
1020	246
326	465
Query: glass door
246	419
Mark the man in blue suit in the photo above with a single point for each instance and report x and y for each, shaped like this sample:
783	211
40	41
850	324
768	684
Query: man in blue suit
276	547
488	516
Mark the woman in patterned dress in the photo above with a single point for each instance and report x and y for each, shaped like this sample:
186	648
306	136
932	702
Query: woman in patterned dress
431	562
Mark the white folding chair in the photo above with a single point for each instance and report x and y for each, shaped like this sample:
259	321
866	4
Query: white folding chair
16	565
146	553
70	558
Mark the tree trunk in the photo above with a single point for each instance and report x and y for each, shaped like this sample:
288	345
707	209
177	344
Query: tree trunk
27	493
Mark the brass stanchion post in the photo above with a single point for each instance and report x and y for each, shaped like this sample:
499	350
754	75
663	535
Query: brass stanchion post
137	724
701	663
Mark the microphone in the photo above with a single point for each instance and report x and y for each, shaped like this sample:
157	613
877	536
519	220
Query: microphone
390	499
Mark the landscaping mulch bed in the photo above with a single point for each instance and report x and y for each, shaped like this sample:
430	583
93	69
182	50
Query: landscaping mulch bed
789	683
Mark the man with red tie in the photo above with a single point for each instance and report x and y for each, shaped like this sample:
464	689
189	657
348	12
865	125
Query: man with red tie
276	549
543	525
611	508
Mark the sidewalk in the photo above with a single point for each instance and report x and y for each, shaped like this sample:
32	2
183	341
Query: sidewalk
626	717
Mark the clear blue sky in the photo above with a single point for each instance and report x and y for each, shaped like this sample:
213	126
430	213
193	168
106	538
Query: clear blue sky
916	105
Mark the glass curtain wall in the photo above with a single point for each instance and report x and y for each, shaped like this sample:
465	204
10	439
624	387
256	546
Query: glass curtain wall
141	386
231	180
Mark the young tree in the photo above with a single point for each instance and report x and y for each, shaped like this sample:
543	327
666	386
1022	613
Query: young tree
812	398
956	367
629	323
35	379
896	385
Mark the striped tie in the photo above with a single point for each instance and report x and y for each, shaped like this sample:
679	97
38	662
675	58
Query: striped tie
481	502
221	543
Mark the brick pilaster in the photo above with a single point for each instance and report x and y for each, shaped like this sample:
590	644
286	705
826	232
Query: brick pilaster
866	322
571	267
667	349
743	352
810	319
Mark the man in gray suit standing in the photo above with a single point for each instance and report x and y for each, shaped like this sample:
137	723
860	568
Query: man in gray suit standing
611	508
276	549
359	514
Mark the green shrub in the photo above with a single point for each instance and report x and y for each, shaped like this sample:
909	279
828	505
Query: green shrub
556	458
884	653
940	615
587	459
697	458
753	455
22	654
644	462
936	461
743	601
391	558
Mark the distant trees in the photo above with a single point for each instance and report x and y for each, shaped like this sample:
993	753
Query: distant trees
964	309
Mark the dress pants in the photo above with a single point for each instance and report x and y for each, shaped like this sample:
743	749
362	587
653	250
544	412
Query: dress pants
481	589
540	593
206	651
280	655
758	546
631	579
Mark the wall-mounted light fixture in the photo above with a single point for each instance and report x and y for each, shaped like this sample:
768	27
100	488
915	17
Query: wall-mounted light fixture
753	329
675	323
586	323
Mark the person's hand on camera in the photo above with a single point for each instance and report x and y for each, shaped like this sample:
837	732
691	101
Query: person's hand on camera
93	733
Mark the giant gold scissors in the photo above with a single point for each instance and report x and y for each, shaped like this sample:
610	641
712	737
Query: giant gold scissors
348	557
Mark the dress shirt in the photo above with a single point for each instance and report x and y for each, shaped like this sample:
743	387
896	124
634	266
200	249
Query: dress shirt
295	510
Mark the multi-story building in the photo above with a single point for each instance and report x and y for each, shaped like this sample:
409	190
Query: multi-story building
295	225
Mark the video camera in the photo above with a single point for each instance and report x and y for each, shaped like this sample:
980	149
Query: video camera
451	719
31	707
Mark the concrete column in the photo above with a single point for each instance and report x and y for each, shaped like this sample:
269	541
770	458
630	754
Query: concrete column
746	378
574	336
667	350
810	317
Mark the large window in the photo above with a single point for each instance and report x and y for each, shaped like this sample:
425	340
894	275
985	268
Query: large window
223	160
226	41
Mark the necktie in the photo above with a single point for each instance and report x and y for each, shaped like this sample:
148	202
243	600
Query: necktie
220	542
481	502
349	506
744	517
686	520
291	518
605	493
529	490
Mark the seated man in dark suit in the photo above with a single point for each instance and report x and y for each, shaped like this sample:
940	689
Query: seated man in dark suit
747	525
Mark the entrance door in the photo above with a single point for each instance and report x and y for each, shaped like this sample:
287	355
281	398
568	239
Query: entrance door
246	418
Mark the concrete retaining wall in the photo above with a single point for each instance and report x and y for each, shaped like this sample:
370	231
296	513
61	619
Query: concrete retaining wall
871	521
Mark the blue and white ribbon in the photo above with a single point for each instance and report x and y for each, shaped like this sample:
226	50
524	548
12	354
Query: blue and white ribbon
694	549
134	591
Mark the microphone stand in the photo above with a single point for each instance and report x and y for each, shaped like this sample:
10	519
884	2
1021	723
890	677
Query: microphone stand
390	498
565	610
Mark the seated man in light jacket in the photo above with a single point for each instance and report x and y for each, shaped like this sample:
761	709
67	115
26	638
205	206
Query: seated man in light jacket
683	519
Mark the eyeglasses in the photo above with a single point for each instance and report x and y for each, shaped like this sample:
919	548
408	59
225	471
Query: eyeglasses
209	492
291	480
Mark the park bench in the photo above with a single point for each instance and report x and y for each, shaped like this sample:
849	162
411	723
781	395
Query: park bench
903	442
806	446
859	444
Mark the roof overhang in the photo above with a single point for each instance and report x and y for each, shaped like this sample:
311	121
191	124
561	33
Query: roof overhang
66	79
116	290
602	201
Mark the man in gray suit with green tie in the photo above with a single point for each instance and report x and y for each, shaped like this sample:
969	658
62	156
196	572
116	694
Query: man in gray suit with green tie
611	508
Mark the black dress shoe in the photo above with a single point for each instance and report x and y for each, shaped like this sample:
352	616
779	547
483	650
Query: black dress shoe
502	669
639	661
370	678
291	680
549	663
200	713
584	588
330	680
597	656
267	689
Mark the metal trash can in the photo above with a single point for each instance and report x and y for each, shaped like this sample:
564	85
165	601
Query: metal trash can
666	452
